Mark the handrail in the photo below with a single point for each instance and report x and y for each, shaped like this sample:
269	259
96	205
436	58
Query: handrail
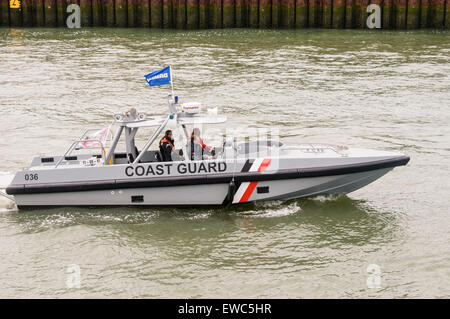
94	129
88	130
312	147
70	149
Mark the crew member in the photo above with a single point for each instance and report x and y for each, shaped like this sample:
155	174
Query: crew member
166	147
198	147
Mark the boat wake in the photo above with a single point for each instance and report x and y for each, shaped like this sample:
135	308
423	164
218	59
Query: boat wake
6	204
271	209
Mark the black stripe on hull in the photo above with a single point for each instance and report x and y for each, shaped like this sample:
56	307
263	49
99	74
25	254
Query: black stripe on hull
204	179
248	164
39	207
232	189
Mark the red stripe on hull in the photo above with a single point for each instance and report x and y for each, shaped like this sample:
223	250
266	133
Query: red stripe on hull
248	192
251	187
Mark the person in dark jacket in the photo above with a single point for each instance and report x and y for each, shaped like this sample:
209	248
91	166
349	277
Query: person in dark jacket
166	147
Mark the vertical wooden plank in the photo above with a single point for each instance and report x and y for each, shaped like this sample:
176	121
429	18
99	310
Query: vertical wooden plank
61	15
15	17
348	14
360	13
239	9
228	14
357	13
423	21
209	13
182	6
97	13
436	13
138	14
141	14
338	14
203	14
276	11
86	13
215	14
131	12
287	14
327	14
137	6
413	14
40	17
121	13
174	13
192	12
246	9
399	11
167	14
284	16
27	13
156	11
3	21
301	13
447	15
315	13
50	13
363	16
291	13
253	14
180	13
4	11
265	12
144	13
386	14
108	13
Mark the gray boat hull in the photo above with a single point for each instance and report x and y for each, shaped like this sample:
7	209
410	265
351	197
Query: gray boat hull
203	194
294	173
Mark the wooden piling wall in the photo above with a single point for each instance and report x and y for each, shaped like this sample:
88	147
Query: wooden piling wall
216	14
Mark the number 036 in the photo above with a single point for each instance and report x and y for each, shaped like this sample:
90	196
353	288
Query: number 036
31	177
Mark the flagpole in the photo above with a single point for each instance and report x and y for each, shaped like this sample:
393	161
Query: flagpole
173	96
171	81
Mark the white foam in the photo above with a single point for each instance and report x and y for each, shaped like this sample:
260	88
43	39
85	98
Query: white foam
325	198
7	205
5	179
273	209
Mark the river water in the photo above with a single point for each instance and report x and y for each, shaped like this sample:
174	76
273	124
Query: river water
382	90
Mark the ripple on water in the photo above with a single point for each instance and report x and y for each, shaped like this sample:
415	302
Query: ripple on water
383	90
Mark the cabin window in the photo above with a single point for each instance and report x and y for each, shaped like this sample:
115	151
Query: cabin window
47	160
137	199
262	189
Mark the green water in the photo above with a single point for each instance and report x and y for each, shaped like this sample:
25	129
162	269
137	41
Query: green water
382	90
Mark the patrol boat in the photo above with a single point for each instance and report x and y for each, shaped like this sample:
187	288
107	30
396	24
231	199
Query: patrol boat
235	172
